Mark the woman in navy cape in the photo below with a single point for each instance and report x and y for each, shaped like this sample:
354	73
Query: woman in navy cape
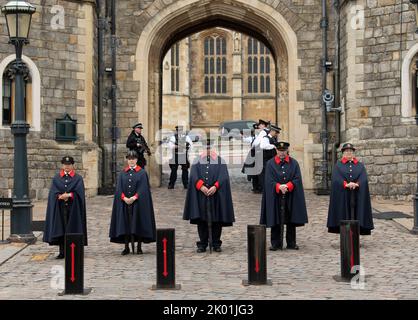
66	208
349	175
133	217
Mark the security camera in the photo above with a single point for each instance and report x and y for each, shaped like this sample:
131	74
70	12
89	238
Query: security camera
328	99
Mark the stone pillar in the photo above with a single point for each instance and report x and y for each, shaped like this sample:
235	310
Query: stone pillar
237	78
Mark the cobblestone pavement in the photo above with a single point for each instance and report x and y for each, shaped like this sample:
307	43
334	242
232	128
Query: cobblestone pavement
389	257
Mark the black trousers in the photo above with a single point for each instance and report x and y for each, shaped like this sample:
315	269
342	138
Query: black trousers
203	230
261	179
256	183
184	174
276	241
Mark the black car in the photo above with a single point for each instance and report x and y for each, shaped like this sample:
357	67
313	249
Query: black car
236	128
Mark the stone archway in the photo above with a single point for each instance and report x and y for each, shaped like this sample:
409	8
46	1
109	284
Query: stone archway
185	17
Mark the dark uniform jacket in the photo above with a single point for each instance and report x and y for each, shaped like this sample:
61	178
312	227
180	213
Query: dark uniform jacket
339	207
283	172
209	171
131	144
133	183
56	225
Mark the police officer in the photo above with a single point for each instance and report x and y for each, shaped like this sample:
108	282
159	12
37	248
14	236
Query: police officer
136	142
180	145
283	200
267	145
66	209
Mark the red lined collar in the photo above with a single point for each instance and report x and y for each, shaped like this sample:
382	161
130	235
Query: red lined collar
72	173
137	168
344	160
278	160
204	154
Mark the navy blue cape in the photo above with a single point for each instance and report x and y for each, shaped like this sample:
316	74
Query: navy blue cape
271	200
221	201
339	205
143	220
54	224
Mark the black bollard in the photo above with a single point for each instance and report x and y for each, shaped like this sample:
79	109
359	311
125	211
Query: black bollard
166	272
349	247
74	264
257	258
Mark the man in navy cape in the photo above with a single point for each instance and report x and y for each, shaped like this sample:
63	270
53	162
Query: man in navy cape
349	176
283	190
66	209
133	217
209	200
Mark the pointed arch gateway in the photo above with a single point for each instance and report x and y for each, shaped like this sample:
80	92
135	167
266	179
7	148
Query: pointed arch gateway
254	18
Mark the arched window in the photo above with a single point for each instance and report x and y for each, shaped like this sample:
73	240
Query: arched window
258	67
175	68
206	84
206	66
218	85
250	65
215	64
32	92
8	99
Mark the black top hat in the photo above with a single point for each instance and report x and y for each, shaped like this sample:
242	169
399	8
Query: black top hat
282	145
138	125
255	126
266	123
275	128
67	160
131	154
348	146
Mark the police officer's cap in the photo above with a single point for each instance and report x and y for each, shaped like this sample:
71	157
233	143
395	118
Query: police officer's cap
67	160
282	145
131	154
348	146
138	125
261	121
275	128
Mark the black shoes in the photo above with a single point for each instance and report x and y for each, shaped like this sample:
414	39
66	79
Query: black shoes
61	253
170	186
200	250
139	250
125	251
185	187
293	247
217	249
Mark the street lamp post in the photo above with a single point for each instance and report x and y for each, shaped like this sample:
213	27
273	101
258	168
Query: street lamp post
415	228
18	17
